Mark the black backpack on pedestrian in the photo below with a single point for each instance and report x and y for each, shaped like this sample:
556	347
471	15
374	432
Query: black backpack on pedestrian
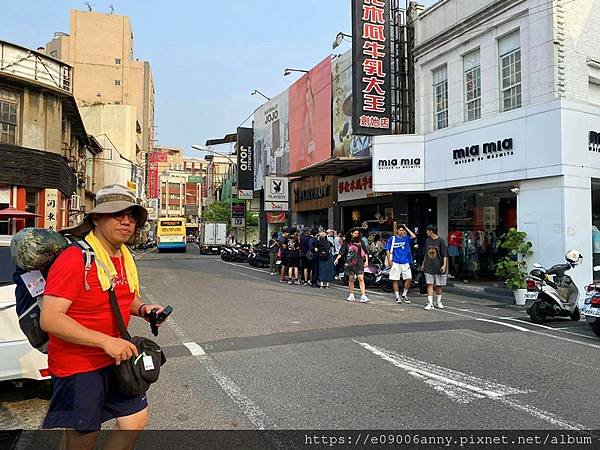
324	248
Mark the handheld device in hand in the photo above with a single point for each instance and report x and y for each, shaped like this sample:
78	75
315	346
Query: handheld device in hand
155	319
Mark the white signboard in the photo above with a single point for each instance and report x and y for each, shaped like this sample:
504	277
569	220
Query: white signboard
245	194
4	194
238	222
51	209
356	187
398	163
276	206
276	189
153	209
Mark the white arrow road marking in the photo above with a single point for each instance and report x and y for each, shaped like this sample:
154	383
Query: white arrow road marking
463	388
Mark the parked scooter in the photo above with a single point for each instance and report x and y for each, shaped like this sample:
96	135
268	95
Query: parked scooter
259	256
591	304
226	253
557	294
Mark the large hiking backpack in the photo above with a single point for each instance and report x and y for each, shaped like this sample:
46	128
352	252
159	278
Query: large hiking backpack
34	250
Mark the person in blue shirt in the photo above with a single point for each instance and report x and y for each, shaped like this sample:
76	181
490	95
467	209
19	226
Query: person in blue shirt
399	257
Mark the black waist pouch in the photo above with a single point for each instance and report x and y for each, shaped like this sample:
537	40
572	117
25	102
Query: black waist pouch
135	375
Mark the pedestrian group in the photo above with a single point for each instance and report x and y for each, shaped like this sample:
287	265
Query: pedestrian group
315	258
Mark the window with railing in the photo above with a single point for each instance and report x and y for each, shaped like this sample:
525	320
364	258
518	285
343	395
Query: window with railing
472	69
9	102
509	49
440	97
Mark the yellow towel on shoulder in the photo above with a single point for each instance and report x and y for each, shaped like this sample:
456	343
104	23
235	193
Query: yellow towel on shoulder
102	255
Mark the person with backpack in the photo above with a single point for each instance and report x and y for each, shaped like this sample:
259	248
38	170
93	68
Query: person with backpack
84	342
313	245
399	257
355	253
291	256
326	269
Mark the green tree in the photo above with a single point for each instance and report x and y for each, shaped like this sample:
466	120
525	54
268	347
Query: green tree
218	212
251	219
513	267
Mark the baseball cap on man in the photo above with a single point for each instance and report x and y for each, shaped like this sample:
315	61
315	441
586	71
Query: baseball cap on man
110	199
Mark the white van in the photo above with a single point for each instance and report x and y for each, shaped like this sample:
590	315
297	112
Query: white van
18	359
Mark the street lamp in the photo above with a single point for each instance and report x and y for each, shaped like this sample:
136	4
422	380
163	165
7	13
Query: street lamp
256	91
287	72
339	38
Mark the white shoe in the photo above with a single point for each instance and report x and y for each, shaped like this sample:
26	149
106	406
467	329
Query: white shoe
440	305
398	299
429	306
350	298
364	299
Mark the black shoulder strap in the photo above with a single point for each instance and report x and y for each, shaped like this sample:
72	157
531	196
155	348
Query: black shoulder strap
117	313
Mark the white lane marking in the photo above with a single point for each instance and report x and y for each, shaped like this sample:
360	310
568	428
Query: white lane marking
510	325
258	418
254	414
464	388
194	348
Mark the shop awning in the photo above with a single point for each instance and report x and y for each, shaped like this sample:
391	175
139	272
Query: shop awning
335	166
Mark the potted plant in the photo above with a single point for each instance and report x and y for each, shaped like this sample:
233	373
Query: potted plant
513	267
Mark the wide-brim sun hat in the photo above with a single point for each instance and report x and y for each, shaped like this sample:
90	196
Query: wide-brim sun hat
110	199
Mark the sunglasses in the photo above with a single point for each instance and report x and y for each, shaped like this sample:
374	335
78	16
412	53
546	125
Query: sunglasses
120	216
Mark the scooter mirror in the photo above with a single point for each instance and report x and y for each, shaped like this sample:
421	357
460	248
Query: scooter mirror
537	265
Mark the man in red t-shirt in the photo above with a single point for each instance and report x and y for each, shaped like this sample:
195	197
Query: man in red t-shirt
85	342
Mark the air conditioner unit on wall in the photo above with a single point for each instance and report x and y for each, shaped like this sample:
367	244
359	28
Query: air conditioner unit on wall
75	202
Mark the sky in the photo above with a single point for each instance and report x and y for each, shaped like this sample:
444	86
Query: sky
207	56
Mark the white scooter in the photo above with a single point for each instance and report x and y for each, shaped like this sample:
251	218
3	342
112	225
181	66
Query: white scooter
591	304
557	294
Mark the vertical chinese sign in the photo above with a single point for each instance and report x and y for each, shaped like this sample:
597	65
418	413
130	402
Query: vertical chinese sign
51	209
372	96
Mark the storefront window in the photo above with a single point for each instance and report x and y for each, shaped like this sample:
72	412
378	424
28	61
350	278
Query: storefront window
31	205
596	223
476	222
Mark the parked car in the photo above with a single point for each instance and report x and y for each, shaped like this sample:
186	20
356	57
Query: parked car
18	359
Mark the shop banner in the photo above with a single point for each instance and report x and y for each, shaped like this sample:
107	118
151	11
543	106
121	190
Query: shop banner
245	159
312	193
245	194
238	211
276	217
276	189
344	142
276	206
372	93
310	117
398	163
157	157
152	187
271	139
51	209
357	187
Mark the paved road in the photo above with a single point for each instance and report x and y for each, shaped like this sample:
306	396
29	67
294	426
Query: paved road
246	352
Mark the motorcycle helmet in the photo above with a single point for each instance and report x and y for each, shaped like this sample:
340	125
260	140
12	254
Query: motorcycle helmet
573	257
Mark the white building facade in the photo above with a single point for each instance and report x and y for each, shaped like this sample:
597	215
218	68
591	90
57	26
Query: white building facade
508	127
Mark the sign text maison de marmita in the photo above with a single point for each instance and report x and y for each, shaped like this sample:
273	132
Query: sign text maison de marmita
488	150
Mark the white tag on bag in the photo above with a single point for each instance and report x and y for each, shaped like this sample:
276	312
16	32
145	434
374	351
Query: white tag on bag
148	363
35	282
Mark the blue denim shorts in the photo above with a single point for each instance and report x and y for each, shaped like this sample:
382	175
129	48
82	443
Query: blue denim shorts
85	400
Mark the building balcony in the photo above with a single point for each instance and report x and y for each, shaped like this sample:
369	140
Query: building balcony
28	65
